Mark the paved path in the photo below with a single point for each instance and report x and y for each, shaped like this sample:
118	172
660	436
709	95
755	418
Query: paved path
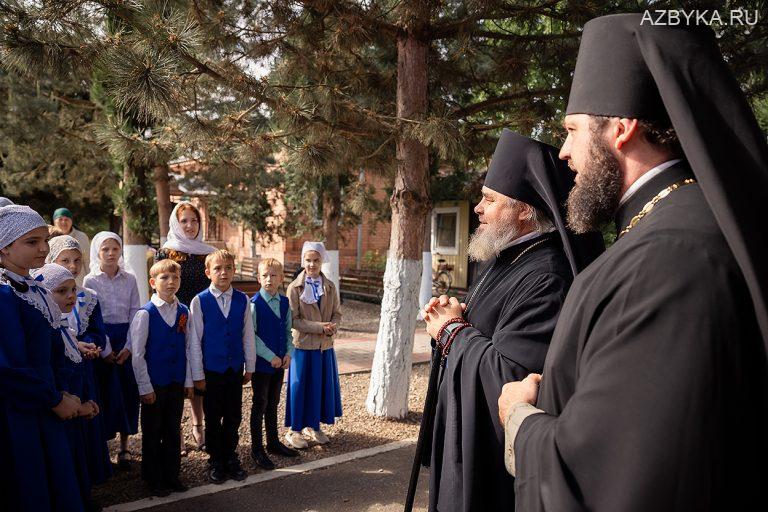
356	354
374	484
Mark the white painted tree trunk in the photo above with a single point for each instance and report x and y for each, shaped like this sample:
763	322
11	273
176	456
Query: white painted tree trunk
391	372
425	293
136	263
331	268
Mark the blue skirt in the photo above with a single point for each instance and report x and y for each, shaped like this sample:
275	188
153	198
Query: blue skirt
118	389
96	449
75	429
313	394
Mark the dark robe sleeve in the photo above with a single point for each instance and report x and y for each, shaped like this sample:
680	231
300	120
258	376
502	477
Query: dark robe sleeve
95	332
468	444
19	383
660	357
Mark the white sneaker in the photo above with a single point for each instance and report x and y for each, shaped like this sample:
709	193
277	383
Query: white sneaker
295	440
317	436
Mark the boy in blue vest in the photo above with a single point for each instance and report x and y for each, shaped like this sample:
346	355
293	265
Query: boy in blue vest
271	315
222	345
160	340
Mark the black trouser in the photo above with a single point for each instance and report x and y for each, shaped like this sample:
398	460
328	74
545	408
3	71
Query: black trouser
266	397
222	404
161	435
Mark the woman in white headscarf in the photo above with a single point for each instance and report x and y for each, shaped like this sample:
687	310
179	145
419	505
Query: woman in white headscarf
185	246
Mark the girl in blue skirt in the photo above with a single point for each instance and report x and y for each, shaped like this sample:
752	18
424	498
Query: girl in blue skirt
70	374
313	394
37	472
87	327
119	300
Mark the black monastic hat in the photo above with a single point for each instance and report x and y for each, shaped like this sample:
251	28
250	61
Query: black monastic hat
530	171
628	68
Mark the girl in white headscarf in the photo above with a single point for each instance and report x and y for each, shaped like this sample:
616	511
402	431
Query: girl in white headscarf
38	471
61	285
87	327
119	301
313	394
185	246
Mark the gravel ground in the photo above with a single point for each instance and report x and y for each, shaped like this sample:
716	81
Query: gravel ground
355	430
361	319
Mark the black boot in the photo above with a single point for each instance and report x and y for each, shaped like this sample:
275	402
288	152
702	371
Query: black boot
217	474
261	459
278	448
235	470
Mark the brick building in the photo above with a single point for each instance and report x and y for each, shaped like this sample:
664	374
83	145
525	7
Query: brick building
360	247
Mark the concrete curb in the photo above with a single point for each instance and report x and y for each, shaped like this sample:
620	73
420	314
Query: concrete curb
260	477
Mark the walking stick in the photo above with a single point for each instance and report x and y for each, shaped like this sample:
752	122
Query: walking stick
425	430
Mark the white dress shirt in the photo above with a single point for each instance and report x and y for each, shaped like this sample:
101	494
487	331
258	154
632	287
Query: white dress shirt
645	178
118	296
140	334
224	300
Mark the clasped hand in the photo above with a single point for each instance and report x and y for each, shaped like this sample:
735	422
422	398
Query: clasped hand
524	391
440	310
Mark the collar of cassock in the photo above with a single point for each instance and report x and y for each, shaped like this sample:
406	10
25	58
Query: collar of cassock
645	193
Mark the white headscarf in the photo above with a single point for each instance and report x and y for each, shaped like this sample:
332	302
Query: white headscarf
314	246
16	221
54	276
313	287
178	241
59	244
100	238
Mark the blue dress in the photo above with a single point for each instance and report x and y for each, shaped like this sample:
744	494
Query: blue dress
313	394
90	329
118	335
37	472
69	377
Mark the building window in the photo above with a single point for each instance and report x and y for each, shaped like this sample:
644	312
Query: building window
213	231
445	230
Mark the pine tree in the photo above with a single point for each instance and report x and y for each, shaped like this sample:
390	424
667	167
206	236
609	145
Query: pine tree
397	87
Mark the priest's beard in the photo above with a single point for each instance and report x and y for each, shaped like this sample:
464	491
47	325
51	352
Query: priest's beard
593	201
488	242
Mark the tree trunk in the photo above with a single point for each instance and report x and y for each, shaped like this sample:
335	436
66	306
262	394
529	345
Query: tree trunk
331	215
390	375
163	192
134	243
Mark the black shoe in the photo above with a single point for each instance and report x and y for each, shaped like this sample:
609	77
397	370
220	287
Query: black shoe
92	506
282	450
216	474
176	486
159	491
235	470
261	459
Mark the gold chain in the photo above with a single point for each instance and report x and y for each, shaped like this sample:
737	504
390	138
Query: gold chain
650	204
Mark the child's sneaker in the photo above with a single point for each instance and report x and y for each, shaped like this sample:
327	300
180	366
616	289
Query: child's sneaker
317	436
294	439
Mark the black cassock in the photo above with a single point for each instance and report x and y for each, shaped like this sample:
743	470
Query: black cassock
655	386
513	311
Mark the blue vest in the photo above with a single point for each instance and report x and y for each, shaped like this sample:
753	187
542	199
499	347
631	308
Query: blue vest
223	337
270	329
166	350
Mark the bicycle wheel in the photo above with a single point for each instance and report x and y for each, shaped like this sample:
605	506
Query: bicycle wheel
442	283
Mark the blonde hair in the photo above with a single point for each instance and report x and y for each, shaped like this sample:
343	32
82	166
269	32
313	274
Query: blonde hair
270	263
165	266
221	254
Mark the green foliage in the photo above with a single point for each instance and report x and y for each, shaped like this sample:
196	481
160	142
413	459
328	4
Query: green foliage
48	156
374	260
